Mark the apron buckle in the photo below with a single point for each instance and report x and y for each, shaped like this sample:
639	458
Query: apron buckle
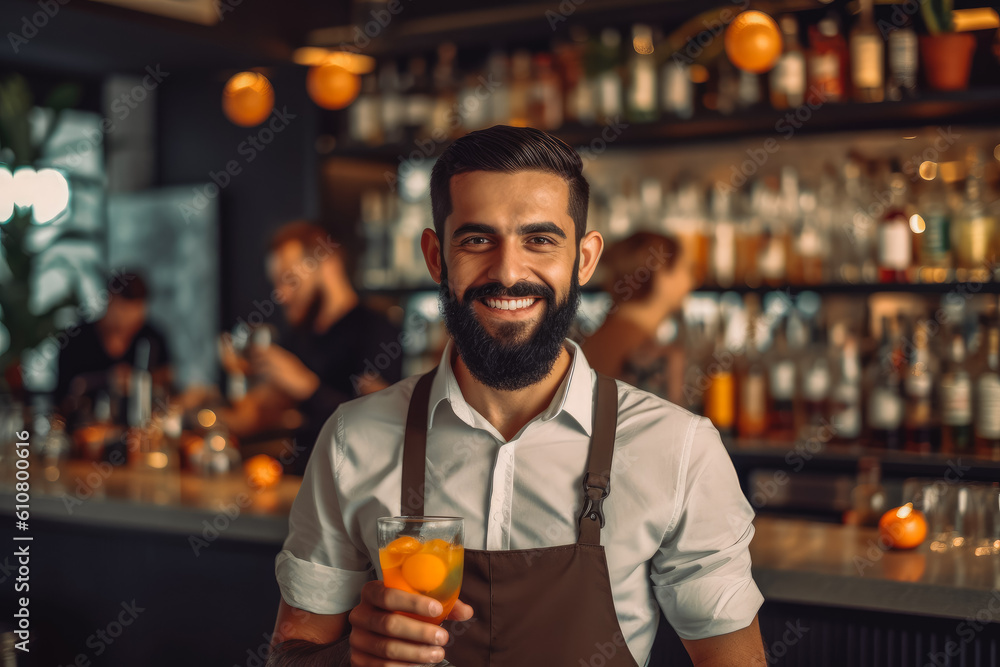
595	489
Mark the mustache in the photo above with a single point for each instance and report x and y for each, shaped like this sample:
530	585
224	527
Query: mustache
515	291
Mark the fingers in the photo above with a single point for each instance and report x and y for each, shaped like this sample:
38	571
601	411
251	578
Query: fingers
380	648
378	635
460	612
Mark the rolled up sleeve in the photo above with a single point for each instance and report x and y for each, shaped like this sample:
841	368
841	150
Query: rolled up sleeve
320	569
701	574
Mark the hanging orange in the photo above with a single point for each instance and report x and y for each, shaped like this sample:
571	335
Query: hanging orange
331	86
753	41
248	99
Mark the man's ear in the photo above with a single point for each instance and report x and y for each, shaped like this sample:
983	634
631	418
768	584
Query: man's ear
430	245
591	248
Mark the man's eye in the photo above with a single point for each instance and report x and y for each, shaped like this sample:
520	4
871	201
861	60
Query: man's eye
541	240
475	240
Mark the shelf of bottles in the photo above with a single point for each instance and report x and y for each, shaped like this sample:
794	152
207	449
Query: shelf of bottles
641	86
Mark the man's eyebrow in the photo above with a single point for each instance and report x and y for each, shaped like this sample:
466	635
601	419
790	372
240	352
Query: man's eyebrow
474	228
523	230
541	228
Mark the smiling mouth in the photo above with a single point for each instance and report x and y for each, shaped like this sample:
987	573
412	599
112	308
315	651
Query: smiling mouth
509	304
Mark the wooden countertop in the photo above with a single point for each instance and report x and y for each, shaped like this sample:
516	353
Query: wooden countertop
164	501
793	560
833	565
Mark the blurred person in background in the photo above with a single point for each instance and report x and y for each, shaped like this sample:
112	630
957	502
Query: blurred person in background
337	348
648	278
100	356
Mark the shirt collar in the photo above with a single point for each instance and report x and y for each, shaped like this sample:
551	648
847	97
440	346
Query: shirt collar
575	395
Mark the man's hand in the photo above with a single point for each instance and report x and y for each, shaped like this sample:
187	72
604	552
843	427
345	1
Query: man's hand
232	361
380	638
284	370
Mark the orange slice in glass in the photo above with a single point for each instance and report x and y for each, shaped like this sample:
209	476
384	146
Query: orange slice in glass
424	571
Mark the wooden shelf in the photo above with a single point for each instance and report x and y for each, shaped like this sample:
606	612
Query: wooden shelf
977	107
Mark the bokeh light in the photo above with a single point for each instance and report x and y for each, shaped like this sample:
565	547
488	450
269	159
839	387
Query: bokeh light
331	86
51	195
248	99
6	194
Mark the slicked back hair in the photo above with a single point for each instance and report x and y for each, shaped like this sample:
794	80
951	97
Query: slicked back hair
509	150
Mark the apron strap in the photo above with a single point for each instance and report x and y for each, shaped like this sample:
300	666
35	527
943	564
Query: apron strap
415	447
597	480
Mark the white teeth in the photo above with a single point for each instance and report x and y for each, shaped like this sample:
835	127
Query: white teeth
508	304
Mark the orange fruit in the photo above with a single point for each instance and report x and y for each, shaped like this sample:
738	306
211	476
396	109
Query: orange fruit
903	527
424	572
753	42
404	545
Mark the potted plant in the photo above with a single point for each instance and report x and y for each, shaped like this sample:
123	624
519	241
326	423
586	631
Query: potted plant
946	54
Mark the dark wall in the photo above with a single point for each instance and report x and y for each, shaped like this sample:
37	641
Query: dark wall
277	179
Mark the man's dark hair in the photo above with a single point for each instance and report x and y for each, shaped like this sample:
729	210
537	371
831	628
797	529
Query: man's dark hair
509	150
309	234
127	285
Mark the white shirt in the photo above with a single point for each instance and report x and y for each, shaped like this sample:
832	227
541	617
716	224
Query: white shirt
678	526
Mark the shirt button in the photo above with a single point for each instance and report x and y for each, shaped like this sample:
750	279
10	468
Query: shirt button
497	516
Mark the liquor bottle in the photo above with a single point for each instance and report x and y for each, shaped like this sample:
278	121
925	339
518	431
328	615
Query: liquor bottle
499	101
868	498
782	383
934	242
895	238
788	78
867	57
609	80
545	107
846	396
956	401
827	62
748	92
475	112
418	100
815	385
752	403
902	61
988	400
773	257
885	399
677	88
974	227
750	239
569	59
392	108
919	389
642	98
723	241
445	94
720	396
364	114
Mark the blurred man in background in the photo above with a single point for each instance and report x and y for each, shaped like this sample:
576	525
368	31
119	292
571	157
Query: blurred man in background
100	356
337	348
648	278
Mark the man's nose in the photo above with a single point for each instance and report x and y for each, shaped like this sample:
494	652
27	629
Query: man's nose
509	265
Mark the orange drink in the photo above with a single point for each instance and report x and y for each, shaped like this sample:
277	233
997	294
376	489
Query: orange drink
423	555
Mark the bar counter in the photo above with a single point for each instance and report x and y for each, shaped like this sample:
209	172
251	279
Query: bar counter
795	561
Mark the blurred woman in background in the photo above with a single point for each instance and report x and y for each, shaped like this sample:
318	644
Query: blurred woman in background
647	276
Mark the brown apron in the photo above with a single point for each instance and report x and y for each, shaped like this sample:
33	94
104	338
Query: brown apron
545	607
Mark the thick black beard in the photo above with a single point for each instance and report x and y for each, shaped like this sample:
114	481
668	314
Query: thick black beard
511	360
